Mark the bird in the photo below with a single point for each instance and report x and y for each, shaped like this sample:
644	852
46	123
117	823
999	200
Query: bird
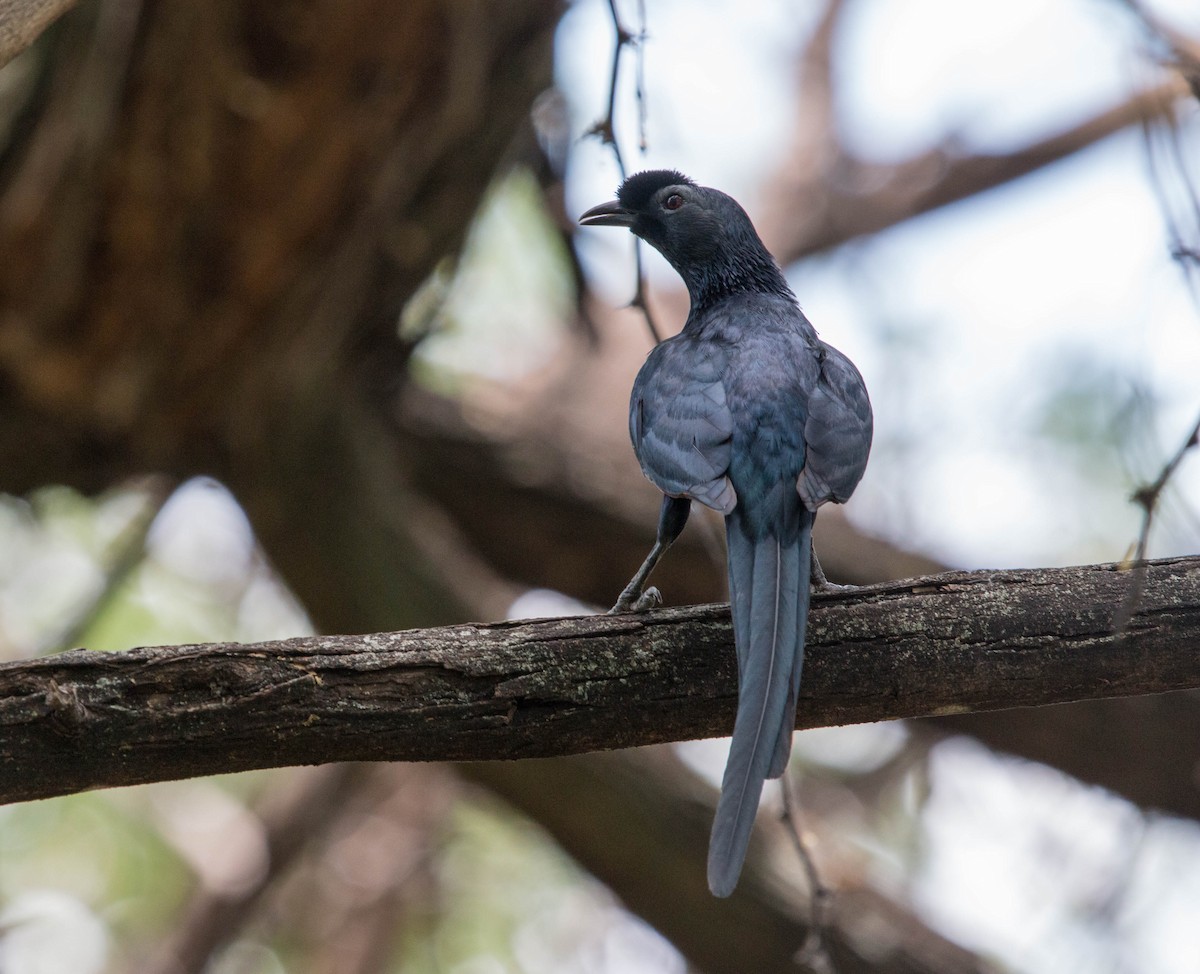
748	412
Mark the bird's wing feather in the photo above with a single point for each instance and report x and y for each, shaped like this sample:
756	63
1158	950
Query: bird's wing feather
681	426
837	432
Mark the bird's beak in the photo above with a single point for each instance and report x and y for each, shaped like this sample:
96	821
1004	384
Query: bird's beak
608	215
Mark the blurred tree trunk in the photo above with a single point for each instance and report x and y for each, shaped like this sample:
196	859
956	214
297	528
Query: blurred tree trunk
207	230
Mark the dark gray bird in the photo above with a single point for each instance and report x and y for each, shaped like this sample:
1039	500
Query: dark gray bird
748	412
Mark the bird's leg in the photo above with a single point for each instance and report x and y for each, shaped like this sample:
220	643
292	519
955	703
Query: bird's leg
635	597
671	518
820	582
817	577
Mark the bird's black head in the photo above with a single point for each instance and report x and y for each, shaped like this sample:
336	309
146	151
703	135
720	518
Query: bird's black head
639	190
705	234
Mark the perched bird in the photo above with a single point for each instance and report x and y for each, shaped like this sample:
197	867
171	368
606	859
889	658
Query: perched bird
748	412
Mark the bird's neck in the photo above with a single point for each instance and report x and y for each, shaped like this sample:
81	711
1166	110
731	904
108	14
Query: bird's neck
733	271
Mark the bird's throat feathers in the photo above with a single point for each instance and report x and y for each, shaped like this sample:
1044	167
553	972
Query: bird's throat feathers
732	270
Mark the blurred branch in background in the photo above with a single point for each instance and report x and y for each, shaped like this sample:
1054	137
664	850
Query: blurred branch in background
127	552
849	197
648	845
824	195
1175	50
297	814
1141	748
318	827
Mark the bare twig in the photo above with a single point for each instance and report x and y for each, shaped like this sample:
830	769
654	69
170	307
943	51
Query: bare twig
815	952
640	77
605	130
1147	497
1176	50
1184	253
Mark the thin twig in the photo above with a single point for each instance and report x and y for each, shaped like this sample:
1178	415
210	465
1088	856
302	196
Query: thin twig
1176	50
1147	497
1184	255
814	954
639	294
639	90
605	130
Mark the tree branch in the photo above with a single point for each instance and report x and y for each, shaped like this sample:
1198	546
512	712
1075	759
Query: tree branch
869	197
946	644
22	20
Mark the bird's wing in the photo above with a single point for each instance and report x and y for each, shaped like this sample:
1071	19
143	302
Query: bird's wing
681	426
837	432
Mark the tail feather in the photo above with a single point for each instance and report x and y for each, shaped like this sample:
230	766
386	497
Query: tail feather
783	746
768	579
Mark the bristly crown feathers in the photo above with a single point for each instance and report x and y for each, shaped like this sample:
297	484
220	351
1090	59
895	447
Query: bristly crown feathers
637	190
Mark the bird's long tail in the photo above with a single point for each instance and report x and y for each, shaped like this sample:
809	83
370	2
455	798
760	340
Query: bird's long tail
769	589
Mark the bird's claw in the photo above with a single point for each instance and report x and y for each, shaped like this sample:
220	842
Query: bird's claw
637	601
649	599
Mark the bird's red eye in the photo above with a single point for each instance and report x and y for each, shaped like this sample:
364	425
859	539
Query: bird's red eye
673	202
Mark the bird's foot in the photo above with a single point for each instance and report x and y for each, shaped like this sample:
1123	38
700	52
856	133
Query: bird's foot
649	599
634	601
820	584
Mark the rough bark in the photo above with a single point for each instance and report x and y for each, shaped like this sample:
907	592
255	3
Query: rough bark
22	20
946	644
